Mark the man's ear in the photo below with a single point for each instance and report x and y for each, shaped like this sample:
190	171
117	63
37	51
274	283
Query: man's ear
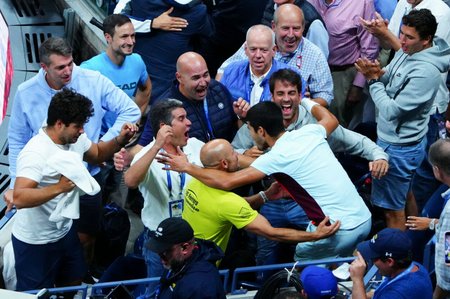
224	164
44	66
261	132
178	76
427	40
108	38
438	174
58	124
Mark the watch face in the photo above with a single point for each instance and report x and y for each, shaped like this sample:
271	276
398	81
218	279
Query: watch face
99	3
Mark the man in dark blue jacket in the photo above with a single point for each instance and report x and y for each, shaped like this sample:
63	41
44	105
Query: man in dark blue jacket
208	103
190	263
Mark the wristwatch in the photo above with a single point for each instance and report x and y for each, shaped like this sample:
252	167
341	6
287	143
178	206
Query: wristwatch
432	224
371	81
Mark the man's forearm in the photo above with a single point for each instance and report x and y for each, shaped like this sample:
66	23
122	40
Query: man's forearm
292	235
32	197
358	290
136	173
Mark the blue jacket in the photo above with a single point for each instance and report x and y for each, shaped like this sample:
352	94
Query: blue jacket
237	78
160	49
198	279
220	114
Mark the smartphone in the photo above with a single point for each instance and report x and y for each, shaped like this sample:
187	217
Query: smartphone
447	248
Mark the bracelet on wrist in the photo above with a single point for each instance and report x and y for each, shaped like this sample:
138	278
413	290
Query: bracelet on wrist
263	196
432	224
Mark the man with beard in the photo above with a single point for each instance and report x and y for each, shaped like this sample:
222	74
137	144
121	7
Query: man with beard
212	213
29	110
189	262
119	64
50	173
285	86
302	162
209	106
127	71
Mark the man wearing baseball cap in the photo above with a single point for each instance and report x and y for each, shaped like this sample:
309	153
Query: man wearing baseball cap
318	283
390	251
189	262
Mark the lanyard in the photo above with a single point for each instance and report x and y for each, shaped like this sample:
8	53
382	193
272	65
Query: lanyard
208	122
169	183
385	283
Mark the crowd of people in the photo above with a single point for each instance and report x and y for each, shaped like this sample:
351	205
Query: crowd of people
253	152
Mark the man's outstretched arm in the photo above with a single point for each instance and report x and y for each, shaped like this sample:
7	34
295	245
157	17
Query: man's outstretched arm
262	227
211	177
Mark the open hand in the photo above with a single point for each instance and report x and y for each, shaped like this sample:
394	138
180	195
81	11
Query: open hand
176	162
165	22
323	230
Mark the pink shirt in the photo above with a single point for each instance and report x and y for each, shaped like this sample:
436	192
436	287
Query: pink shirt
348	39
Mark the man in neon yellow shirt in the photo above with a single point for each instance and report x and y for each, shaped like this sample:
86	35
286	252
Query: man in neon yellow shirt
213	212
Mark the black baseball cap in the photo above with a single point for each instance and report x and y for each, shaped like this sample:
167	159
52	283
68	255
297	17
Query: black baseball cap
169	232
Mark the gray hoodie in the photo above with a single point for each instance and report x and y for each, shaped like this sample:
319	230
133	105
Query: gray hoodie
405	93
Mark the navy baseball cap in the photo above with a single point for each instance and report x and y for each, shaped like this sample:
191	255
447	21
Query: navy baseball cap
318	282
389	242
169	232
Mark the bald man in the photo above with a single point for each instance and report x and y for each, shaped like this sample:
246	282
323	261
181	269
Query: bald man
249	78
208	103
212	212
297	52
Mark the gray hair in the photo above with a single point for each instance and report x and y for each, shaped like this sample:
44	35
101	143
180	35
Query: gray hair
54	45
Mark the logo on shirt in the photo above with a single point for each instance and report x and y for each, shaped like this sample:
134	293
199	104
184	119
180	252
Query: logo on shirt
128	86
190	199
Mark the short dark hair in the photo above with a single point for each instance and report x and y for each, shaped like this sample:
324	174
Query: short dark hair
54	45
69	107
285	75
439	155
268	116
161	112
111	21
423	21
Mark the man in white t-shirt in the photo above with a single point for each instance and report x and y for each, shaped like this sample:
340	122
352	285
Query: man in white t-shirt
47	250
303	163
162	189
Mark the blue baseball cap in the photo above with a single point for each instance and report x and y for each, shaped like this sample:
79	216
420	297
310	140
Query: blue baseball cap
318	282
389	242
